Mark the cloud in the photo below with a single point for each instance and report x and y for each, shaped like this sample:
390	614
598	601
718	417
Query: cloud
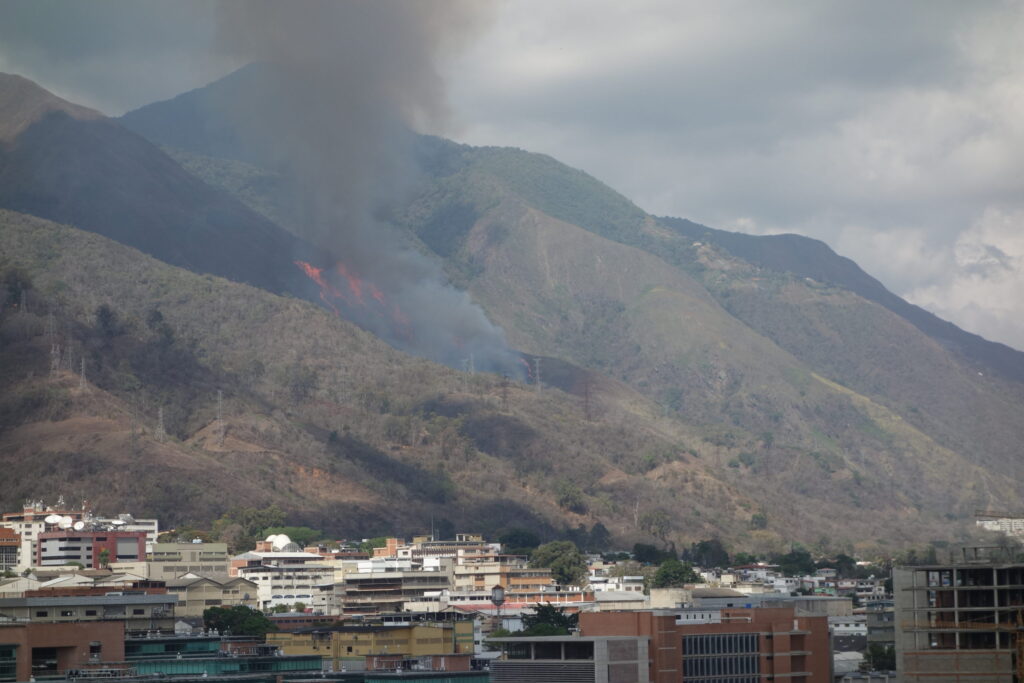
885	129
985	282
889	130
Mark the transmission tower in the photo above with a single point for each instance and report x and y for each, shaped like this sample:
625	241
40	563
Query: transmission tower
55	356
586	400
81	376
536	372
161	433
504	393
221	427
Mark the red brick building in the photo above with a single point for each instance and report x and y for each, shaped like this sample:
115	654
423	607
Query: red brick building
40	649
741	644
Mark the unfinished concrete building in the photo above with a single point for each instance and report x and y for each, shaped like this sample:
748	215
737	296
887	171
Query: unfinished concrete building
960	622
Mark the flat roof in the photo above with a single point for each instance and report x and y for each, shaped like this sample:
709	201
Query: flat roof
562	639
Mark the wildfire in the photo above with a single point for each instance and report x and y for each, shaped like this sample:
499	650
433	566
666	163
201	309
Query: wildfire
355	285
317	275
353	299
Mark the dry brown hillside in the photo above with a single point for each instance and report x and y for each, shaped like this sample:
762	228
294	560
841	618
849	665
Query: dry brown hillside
350	435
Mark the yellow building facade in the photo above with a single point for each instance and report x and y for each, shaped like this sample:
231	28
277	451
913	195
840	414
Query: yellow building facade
355	642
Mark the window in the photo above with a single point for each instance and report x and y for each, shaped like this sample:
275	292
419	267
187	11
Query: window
67	612
138	610
42	613
90	612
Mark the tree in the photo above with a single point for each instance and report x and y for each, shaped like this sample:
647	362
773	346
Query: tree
674	574
759	520
238	621
566	562
104	558
369	544
519	541
600	537
241	527
571	498
797	562
709	553
880	657
106	321
649	554
548	620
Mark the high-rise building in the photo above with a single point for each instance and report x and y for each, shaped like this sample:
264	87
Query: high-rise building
959	622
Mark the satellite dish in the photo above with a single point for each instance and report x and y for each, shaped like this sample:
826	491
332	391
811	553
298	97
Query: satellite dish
52	519
117	522
65	522
78	526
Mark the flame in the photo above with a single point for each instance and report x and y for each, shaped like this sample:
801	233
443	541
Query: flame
317	275
355	285
376	293
329	294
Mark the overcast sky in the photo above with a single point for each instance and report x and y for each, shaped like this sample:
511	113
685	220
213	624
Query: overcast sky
893	131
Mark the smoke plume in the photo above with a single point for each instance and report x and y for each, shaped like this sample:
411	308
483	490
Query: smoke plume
344	85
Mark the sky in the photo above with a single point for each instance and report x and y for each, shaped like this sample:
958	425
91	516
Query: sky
892	131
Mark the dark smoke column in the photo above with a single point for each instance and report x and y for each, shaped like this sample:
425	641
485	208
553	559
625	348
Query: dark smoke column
346	83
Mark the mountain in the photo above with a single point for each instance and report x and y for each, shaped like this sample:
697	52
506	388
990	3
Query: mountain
700	390
814	259
352	436
70	164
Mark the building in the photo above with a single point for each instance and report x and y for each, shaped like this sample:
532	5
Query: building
559	659
10	549
743	645
93	549
36	518
196	594
345	643
34	649
168	561
285	575
143	610
958	621
383	585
